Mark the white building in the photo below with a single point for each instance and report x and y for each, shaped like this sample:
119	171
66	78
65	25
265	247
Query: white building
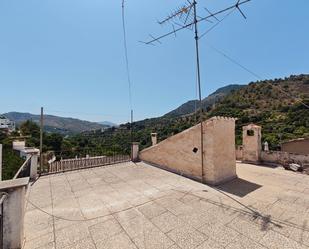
24	151
6	124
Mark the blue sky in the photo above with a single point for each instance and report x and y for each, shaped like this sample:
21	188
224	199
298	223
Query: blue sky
67	55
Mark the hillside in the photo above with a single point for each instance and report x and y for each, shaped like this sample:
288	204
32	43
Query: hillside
271	105
57	124
264	103
208	102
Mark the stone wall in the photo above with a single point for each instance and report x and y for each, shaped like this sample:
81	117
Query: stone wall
280	157
182	153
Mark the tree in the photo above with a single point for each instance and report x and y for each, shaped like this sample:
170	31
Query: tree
30	128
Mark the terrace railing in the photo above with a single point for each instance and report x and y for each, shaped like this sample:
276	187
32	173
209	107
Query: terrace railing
24	170
86	162
12	197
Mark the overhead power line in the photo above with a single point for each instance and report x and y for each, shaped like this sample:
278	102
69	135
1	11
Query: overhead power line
257	76
126	53
127	65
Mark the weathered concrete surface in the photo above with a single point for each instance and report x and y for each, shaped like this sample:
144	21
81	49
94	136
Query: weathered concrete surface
252	144
130	206
13	211
182	153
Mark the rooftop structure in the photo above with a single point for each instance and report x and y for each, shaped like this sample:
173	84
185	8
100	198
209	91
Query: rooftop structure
24	151
112	202
132	205
298	146
6	124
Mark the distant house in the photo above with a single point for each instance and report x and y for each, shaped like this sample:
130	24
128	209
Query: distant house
24	151
297	146
6	124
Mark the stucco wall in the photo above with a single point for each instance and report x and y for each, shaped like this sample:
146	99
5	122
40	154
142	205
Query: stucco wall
224	166
13	211
297	146
176	153
239	153
252	146
280	157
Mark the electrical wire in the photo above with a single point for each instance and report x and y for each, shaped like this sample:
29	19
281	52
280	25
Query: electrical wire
256	75
127	67
126	54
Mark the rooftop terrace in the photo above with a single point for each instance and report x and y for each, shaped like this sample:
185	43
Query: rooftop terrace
139	206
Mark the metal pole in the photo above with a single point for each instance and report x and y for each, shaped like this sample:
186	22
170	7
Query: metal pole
41	141
131	126
199	85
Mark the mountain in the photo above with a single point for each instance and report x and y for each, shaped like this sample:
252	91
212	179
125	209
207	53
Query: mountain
192	105
280	106
276	105
108	123
57	124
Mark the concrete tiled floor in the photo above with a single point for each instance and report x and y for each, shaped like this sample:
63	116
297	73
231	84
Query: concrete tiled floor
139	206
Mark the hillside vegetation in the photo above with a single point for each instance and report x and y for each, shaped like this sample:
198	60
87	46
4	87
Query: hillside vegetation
207	103
271	104
266	103
11	161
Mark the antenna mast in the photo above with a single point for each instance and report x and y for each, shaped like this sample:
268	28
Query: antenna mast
190	21
199	84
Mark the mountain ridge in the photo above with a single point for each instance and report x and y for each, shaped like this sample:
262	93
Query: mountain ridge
52	123
192	105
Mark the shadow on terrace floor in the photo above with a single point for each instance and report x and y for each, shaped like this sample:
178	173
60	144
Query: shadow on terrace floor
239	187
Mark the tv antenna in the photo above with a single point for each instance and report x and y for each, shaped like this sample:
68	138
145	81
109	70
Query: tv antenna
186	17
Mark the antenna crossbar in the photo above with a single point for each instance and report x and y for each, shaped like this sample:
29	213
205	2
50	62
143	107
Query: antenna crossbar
212	15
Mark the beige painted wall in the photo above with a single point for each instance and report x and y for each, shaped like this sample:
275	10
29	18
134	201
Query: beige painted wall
176	153
13	211
280	157
239	153
252	145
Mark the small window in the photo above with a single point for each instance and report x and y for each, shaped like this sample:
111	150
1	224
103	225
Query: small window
195	150
250	133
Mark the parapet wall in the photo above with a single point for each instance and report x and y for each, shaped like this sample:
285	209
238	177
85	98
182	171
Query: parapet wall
280	157
277	157
181	153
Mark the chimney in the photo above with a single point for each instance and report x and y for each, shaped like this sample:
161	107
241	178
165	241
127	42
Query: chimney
154	138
